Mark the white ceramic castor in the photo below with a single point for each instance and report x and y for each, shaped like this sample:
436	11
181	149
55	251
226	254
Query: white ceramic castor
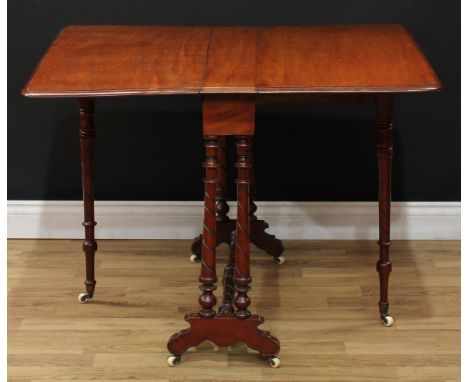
173	360
194	258
280	260
387	320
274	362
83	297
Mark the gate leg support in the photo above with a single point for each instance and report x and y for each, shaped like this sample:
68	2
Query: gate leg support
221	115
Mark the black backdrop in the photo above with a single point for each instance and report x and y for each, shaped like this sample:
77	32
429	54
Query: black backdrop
150	148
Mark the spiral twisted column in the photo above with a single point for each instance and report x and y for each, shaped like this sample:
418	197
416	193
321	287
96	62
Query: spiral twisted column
87	138
384	155
242	272
208	261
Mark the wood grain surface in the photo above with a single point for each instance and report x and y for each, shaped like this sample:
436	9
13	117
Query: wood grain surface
231	61
94	61
227	114
321	303
343	58
122	60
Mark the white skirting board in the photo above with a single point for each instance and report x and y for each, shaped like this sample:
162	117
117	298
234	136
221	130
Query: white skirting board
183	220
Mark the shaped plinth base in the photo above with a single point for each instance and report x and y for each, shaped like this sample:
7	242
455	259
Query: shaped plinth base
224	330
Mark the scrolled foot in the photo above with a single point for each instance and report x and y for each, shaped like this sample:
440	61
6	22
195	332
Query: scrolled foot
274	362
263	240
387	320
279	260
83	297
195	258
173	360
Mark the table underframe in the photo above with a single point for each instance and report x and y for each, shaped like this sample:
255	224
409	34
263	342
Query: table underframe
232	116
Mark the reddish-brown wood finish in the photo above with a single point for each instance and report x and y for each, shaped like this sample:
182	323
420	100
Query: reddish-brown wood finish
223	233
230	66
103	60
264	240
228	278
228	114
234	322
87	137
234	68
384	155
341	58
242	277
224	330
208	262
224	225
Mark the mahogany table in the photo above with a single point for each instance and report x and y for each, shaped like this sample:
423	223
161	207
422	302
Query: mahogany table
234	68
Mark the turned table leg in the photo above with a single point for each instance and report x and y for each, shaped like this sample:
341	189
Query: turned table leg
87	137
208	262
258	235
225	225
242	263
384	155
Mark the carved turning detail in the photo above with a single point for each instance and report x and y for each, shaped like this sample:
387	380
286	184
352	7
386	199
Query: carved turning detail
258	237
87	138
384	155
224	330
231	325
208	262
261	239
224	225
242	273
228	278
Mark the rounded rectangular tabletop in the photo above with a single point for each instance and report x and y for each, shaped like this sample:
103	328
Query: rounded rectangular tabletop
94	61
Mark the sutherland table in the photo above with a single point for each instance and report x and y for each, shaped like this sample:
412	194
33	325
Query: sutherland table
234	68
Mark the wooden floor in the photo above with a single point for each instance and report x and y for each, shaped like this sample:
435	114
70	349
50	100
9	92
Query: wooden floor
321	304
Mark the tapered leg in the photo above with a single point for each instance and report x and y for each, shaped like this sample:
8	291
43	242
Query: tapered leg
384	154
87	137
208	262
242	261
